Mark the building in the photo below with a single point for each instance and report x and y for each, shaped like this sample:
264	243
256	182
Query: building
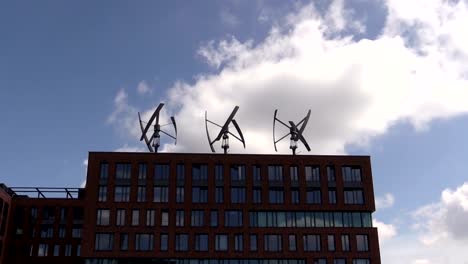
200	209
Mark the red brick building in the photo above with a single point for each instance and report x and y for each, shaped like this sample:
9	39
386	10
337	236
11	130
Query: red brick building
202	209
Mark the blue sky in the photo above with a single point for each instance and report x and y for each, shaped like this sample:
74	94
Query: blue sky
383	78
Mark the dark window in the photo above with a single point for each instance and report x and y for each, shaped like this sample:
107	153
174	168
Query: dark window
237	173
354	196
103	216
214	218
197	218
102	194
362	243
47	231
161	172
253	242
332	196
181	242
257	176
180	194
141	194
201	242
273	243
150	216
123	241
345	243
199	194
238	242
311	242
104	175
219	195
293	173
160	194
331	173
135	217
331	242
42	250
314	196
142	171
164	218
180	172
120	217
180	218
312	173
199	172
238	195
144	242
63	214
122	194
295	196
275	173
56	250
221	242
292	242
339	261
103	241
361	261
123	171
48	213
320	261
233	218
257	195
219	172
76	231
164	242
276	196
351	174
62	231
68	250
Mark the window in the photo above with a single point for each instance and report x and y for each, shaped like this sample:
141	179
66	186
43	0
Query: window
180	218
354	196
102	193
293	173
275	173
68	250
160	194
314	196
122	194
42	250
219	195
351	174
221	242
63	214
237	173
150	214
123	241
144	242
201	242
76	231
199	172
164	218
142	171
219	172
180	194
123	171
295	196
199	194
214	218
62	231
253	242
332	196
331	173
181	242
311	242
257	195
237	195
104	175
312	173
164	242
135	217
238	242
161	172
120	217
320	261
103	241
47	231
276	196
257	176
180	172
56	250
331	242
362	243
345	243
339	261
292	242
141	194
361	261
233	218
273	243
197	218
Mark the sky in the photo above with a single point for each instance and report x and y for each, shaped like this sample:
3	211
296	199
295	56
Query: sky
385	78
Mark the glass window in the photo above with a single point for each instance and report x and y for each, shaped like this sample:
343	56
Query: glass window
180	218
144	242
180	172
63	213
331	242
199	172
332	196
161	172
201	242
56	250
199	194
219	172
276	196
141	194
314	196
164	218
181	242
221	242
123	171
238	242
135	217
104	175
320	261
366	220
150	215
237	173
164	242
180	194
122	194
312	173
351	173
219	195
68	250
76	231
214	218
354	196
233	218
273	243
120	217
238	195
293	173
331	173
62	231
275	173
257	195
292	242
253	242
103	241
311	242
345	243
142	171
160	194
102	193
339	261
197	218
257	176
47	231
362	243
295	196
42	250
123	241
361	261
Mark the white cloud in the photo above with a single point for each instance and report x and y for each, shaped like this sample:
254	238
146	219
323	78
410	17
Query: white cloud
386	231
143	88
127	148
386	201
124	117
85	164
228	18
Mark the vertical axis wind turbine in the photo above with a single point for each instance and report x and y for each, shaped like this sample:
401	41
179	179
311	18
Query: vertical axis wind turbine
224	133
294	131
154	141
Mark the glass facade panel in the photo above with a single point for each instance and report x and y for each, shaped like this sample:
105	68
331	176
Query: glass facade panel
161	172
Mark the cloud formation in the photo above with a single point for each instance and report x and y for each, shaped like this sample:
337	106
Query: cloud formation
386	231
386	201
143	88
